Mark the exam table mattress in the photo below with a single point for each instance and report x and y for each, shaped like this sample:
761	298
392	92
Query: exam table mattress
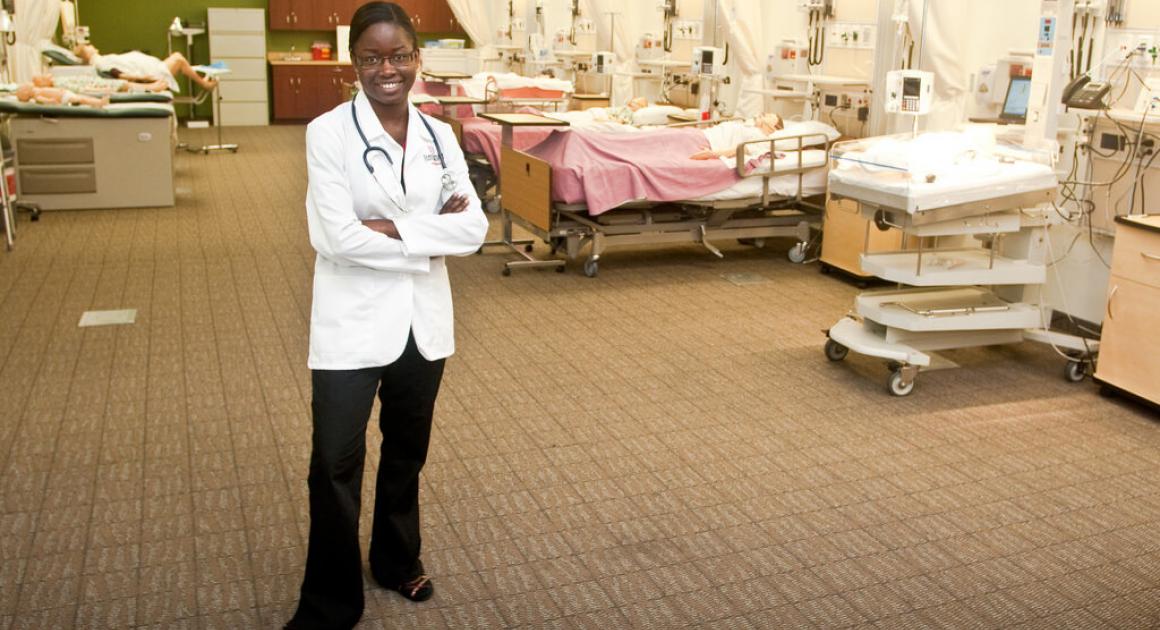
115	109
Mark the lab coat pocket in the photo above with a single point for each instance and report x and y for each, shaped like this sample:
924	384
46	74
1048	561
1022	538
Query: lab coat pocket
346	309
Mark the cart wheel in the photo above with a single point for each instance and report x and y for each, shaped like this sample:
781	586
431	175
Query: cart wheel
836	351
880	221
591	267
894	384
1075	371
559	268
797	253
36	214
507	271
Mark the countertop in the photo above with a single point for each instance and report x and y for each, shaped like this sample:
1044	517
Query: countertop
279	59
1146	221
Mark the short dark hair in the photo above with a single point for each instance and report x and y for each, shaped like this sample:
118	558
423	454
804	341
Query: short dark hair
372	13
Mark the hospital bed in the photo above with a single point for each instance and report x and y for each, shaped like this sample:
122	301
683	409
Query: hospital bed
71	157
977	213
577	189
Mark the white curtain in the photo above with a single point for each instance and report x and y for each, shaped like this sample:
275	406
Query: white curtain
36	20
941	46
622	45
479	21
741	20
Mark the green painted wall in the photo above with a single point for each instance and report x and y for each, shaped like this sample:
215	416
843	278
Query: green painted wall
122	25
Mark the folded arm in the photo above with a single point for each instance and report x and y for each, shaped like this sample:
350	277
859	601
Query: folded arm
460	226
335	230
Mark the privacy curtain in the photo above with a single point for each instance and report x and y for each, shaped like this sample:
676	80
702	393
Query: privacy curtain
741	20
940	46
36	20
622	45
479	21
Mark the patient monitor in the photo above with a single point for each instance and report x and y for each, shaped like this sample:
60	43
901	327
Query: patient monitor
909	92
708	61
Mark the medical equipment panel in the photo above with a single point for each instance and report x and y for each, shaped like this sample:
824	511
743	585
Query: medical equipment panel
708	61
909	92
603	62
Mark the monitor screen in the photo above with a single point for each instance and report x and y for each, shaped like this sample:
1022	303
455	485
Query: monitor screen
911	86
1018	95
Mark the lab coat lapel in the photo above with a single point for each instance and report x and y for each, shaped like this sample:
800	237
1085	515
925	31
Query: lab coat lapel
418	144
384	174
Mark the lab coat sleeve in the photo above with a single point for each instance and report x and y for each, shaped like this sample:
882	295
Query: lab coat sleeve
336	232
456	234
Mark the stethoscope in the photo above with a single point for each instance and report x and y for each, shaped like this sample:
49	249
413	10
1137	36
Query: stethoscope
447	182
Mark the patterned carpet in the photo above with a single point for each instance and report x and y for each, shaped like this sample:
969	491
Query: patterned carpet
657	447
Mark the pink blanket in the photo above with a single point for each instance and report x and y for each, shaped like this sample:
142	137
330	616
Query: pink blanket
484	136
605	170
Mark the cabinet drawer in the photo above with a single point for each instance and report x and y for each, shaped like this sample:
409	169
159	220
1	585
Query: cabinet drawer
249	20
243	90
1137	255
237	45
245	114
243	69
58	181
54	151
1130	343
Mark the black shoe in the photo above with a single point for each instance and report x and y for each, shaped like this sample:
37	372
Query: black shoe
419	589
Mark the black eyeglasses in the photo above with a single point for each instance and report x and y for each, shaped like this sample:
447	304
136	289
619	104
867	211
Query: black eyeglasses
400	60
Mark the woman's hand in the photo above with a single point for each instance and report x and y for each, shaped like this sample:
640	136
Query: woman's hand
383	226
704	154
455	203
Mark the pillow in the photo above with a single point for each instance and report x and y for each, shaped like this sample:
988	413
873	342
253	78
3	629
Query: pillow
802	127
654	115
59	54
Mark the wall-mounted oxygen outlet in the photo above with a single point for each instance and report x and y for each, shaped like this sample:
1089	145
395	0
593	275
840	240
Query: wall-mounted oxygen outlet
585	26
518	24
688	29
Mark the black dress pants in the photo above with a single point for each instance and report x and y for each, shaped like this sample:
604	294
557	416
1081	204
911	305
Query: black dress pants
332	589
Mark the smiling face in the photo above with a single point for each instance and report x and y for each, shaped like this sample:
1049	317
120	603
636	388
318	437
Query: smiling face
387	61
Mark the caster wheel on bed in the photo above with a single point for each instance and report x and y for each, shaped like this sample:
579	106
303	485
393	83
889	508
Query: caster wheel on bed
1075	371
836	351
528	248
559	268
591	268
797	254
896	386
506	271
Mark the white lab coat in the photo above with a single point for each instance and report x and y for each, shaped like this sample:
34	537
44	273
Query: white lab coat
370	290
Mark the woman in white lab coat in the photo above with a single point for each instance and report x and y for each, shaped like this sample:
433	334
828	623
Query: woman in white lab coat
388	197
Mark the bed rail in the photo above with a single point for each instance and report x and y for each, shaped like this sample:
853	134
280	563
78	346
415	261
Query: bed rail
798	144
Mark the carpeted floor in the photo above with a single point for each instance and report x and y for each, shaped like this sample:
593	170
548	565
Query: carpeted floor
656	447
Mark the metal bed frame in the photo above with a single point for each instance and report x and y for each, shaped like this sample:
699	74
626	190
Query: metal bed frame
527	202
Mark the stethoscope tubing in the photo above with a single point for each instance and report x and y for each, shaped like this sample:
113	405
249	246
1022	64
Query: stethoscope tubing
445	179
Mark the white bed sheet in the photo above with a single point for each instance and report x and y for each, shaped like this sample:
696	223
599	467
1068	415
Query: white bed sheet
813	182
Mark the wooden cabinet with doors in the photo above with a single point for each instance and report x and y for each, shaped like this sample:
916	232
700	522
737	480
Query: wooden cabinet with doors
1129	356
303	91
310	15
428	16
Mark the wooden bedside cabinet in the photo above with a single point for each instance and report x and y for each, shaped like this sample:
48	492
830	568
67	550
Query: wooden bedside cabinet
1130	344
